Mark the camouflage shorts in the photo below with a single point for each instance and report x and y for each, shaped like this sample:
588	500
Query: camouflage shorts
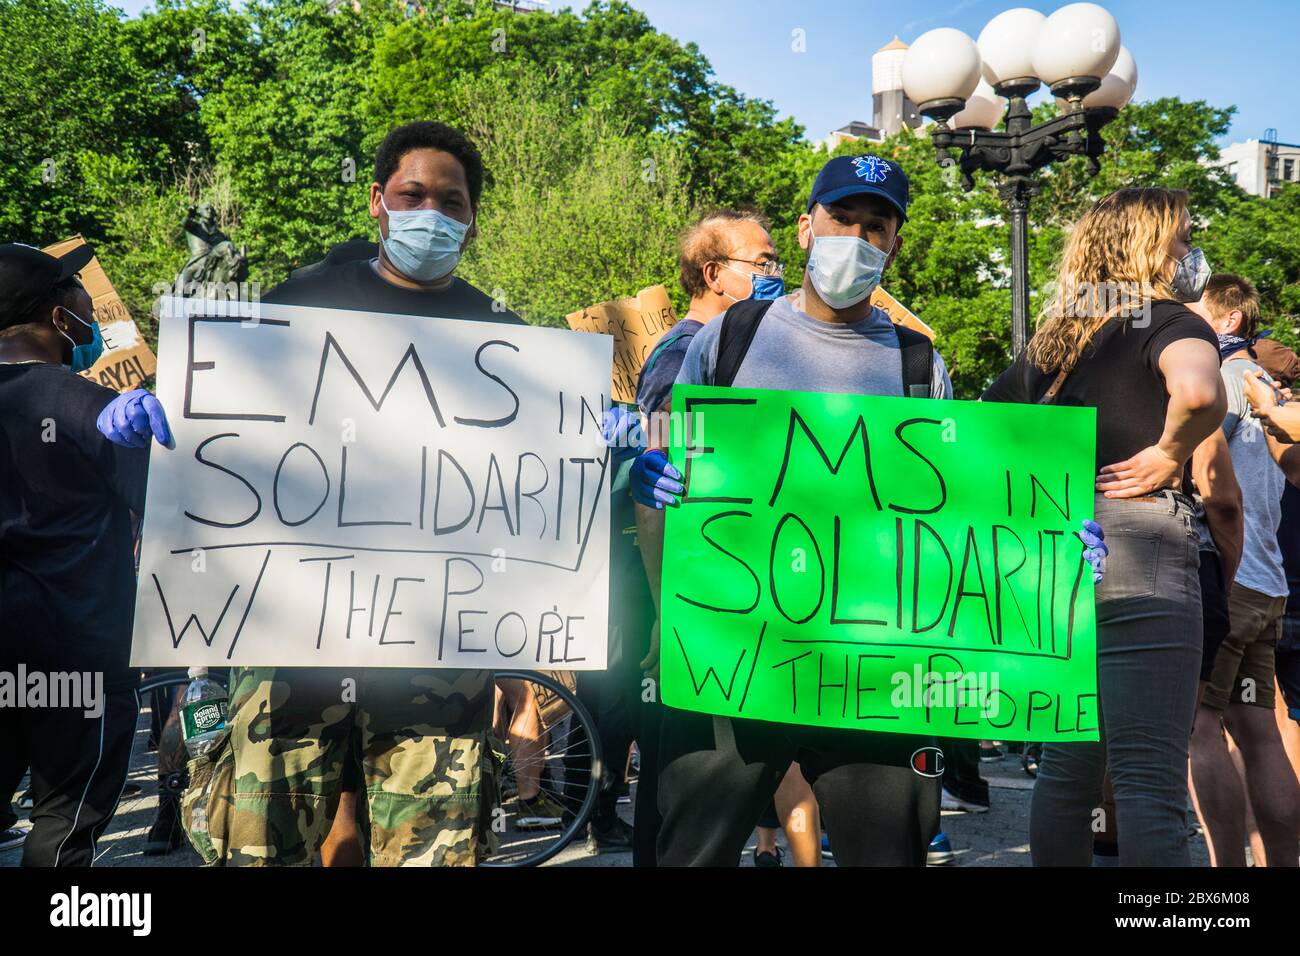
420	737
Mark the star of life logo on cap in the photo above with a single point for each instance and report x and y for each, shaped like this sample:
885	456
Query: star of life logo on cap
871	168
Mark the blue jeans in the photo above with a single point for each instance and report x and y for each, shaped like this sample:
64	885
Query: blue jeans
1148	660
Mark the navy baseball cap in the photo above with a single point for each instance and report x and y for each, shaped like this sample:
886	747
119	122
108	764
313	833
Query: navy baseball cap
28	276
849	175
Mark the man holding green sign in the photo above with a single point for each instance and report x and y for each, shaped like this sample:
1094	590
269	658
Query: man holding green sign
855	576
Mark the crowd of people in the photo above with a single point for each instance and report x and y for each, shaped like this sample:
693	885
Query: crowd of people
1195	549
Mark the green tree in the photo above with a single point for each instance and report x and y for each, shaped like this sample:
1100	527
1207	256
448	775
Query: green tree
579	211
602	137
618	64
289	132
1260	239
76	96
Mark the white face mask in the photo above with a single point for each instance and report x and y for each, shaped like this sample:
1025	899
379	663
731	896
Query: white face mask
845	269
423	244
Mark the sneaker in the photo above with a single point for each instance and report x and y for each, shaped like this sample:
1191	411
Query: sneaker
768	859
940	851
616	835
166	834
955	804
13	837
991	753
539	813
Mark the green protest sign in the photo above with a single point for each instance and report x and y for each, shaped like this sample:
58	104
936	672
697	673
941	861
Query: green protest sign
889	564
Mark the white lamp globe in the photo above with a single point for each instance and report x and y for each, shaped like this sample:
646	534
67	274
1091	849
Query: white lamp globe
983	109
1080	39
1007	43
1117	86
942	64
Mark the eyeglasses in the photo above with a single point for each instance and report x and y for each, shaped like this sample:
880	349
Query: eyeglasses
768	267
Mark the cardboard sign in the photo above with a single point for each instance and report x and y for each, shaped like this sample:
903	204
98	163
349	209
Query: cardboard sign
888	564
636	323
127	360
898	313
357	489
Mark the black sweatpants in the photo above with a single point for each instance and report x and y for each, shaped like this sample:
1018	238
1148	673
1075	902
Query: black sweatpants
645	812
717	774
602	694
961	771
78	766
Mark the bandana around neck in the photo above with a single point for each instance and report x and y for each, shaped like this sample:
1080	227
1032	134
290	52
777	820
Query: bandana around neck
1228	344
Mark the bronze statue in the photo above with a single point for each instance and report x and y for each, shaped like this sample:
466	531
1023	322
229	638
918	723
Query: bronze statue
213	257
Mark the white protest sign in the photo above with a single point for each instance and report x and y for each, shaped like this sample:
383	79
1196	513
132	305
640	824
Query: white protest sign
357	489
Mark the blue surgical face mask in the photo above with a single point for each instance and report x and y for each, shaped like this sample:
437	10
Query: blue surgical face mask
845	269
761	287
423	244
84	356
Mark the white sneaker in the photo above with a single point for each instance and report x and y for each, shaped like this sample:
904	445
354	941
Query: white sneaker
954	804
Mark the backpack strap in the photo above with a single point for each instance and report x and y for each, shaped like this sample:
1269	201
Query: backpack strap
739	323
917	354
668	339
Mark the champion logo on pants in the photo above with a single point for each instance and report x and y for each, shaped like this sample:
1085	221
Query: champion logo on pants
928	762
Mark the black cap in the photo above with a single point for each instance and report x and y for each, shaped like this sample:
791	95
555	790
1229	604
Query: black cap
847	175
28	276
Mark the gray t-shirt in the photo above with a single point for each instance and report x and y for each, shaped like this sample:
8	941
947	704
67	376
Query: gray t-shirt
1262	483
792	350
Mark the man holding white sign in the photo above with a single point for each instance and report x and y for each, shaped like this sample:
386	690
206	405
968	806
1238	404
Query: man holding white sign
374	483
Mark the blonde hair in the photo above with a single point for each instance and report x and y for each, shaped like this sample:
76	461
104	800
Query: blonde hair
1113	264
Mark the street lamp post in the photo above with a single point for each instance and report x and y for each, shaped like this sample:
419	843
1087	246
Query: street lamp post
1075	51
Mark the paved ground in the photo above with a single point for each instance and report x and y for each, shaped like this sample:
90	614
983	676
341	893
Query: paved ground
997	838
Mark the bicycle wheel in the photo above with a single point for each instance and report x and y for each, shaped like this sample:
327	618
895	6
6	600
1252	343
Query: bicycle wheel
550	768
123	842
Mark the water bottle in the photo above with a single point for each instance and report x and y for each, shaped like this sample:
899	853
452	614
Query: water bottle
203	712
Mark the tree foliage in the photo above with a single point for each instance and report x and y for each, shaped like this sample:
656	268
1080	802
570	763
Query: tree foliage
602	137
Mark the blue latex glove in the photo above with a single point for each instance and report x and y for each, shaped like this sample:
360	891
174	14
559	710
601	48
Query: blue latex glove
1094	548
133	418
655	482
621	429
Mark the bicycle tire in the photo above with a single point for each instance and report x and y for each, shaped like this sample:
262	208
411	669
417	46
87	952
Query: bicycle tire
583	815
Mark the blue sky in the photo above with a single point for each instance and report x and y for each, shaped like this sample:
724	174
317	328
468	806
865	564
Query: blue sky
1239	52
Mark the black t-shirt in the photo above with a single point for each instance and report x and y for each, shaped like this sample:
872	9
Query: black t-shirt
1119	375
357	248
67	566
354	284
